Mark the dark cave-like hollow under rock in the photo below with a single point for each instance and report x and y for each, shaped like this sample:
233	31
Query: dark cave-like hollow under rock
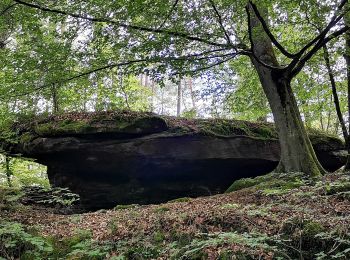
122	157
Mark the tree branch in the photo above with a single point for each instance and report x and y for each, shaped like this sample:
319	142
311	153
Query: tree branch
206	67
220	21
269	33
123	25
335	19
334	91
7	9
192	57
319	41
301	63
169	14
251	53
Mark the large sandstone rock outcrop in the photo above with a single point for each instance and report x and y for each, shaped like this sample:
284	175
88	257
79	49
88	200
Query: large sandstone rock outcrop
122	157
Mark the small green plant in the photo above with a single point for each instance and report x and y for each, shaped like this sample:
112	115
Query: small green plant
180	238
161	209
275	191
9	197
16	242
311	240
262	211
130	206
76	219
54	196
184	199
196	249
79	246
142	252
337	187
89	249
158	236
190	114
231	206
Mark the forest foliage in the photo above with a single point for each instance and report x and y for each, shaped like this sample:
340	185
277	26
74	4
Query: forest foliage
183	58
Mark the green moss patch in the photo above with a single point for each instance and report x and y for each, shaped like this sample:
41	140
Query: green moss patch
184	199
270	182
62	128
138	123
131	206
26	138
222	127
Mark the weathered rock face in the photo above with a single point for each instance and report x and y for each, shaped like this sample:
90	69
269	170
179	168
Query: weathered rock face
128	158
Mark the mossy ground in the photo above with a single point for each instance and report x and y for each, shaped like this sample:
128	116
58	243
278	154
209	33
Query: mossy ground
280	217
272	181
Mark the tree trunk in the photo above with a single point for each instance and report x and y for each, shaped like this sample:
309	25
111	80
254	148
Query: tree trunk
320	109
297	153
55	104
347	59
179	91
8	170
334	92
122	87
306	113
190	86
329	116
152	96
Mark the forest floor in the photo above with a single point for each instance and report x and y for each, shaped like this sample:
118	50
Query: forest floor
277	218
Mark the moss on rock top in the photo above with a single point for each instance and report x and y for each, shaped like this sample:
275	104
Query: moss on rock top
144	123
127	122
120	122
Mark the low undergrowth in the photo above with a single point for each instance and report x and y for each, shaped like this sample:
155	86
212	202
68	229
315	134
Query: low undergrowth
285	216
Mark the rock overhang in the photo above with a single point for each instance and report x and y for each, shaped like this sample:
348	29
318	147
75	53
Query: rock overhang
122	157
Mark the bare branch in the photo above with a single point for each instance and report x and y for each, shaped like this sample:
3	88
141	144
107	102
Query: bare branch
251	53
206	67
169	14
123	25
334	20
301	63
250	29
334	91
220	21
7	9
269	33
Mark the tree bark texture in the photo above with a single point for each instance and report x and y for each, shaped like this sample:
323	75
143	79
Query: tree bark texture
297	154
347	59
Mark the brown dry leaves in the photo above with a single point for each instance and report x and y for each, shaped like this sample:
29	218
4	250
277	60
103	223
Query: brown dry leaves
242	211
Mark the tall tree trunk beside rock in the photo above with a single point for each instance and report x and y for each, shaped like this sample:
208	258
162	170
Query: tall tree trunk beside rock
8	170
190	86
347	59
334	92
179	94
122	87
152	96
55	104
297	154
